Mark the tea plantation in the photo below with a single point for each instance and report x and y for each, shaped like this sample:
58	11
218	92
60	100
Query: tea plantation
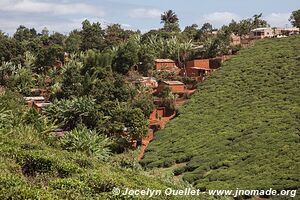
242	128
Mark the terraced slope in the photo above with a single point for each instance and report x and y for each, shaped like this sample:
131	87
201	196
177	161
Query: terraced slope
242	128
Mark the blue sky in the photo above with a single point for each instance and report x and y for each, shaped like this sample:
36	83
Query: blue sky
66	15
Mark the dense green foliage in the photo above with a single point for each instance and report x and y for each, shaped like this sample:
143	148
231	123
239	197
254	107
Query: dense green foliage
78	147
85	91
241	129
70	113
128	48
295	18
36	164
87	141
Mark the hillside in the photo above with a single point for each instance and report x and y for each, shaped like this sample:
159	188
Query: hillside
33	166
241	129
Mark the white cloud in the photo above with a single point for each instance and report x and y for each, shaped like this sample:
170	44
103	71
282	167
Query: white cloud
34	6
278	19
126	25
145	13
219	18
62	26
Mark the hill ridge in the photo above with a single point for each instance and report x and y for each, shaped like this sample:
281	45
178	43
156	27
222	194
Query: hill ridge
241	129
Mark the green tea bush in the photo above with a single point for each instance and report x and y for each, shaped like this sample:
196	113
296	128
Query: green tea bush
168	163
31	165
126	160
241	128
179	171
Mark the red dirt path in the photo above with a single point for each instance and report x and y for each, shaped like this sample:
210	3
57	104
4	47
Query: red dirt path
151	134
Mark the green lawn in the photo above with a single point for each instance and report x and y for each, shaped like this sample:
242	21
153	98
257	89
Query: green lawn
242	128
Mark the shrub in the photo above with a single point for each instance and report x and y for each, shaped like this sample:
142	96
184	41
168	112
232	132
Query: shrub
5	118
67	169
69	188
69	113
21	82
179	170
101	183
168	162
32	165
11	108
87	141
127	160
191	177
40	122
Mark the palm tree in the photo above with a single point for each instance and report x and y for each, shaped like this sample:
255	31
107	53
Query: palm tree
256	19
169	17
184	52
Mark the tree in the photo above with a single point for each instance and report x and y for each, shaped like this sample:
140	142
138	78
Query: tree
204	32
168	98
7	69
144	101
29	60
47	57
115	35
147	56
26	40
45	36
135	122
57	38
256	19
218	45
295	18
121	91
258	22
97	64
8	47
191	31
45	32
169	17
24	33
184	51
245	26
129	120
171	21
73	42
92	36
233	27
206	27
127	57
71	85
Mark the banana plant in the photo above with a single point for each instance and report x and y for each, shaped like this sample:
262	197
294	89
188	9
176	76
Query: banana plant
29	60
87	141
